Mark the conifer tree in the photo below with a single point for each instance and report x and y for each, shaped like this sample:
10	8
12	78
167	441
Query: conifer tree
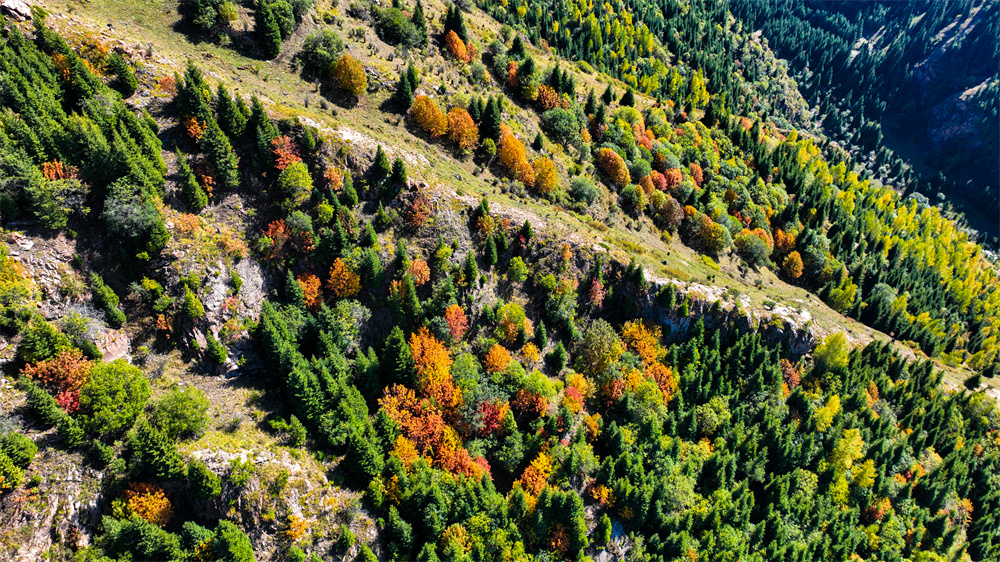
591	106
192	193
398	366
398	176
420	22
267	33
490	252
293	290
629	98
516	51
404	92
414	311
489	126
214	350
124	82
455	21
232	120
541	336
369	239
470	269
608	96
380	167
215	144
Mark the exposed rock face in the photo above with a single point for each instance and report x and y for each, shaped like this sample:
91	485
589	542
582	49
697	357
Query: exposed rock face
17	10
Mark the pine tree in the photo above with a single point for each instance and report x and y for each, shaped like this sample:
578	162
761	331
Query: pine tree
398	366
412	76
267	33
537	143
541	336
602	533
293	291
526	232
516	51
455	21
404	92
557	358
192	193
591	105
490	252
380	168
608	96
214	350
215	144
491	120
398	176
470	269
369	239
232	120
414	310
628	99
124	82
420	22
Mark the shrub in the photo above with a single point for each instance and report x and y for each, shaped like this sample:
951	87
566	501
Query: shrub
546	176
64	372
113	397
140	539
182	412
204	483
41	341
11	476
751	248
582	189
106	299
634	198
394	28
193	308
19	448
613	166
320	52
296	184
792	265
149	502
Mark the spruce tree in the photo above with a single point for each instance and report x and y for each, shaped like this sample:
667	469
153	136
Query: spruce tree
591	105
412	76
470	269
293	291
609	95
541	336
124	82
490	252
414	311
397	360
404	92
491	120
628	99
214	350
420	22
267	33
231	119
516	51
398	176
455	21
369	239
215	144
192	193
380	168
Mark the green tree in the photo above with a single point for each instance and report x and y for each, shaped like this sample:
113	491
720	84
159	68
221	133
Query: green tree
214	350
420	23
267	33
191	191
231	118
602	533
399	534
832	354
232	544
112	397
517	271
41	341
397	360
154	453
398	176
193	309
296	184
204	483
380	168
220	153
628	99
181	413
124	82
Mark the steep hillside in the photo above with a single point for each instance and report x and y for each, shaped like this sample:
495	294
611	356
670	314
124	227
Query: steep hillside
284	281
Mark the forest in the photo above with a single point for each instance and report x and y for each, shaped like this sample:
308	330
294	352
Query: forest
444	375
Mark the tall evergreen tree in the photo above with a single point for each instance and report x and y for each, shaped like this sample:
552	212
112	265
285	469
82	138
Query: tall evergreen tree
215	144
491	120
192	193
420	22
124	82
629	98
231	118
608	96
267	33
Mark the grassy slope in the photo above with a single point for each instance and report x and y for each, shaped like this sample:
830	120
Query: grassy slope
153	24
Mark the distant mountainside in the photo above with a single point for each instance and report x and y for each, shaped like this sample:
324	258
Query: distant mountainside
910	87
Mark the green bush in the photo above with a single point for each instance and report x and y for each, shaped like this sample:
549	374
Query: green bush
19	448
41	341
204	483
106	299
193	308
214	350
583	190
154	453
124	81
320	51
181	413
113	396
140	540
11	475
41	403
232	544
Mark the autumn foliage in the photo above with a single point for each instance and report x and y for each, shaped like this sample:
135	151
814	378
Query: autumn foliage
462	129
613	167
66	372
548	98
434	370
497	359
696	174
792	265
537	474
429	116
457	47
420	272
149	502
343	282
284	152
350	75
311	289
458	322
514	158
546	176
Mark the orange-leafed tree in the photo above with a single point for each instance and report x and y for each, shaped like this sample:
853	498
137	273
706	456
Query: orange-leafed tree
462	129
429	116
530	403
546	176
696	174
149	502
343	282
350	75
783	241
664	378
417	210
284	152
420	272
644	340
548	98
537	474
311	289
457	47
792	265
66	372
458	322
434	370
530	353
511	150
673	177
613	167
497	359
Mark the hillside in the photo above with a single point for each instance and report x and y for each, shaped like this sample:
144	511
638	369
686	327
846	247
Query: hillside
506	294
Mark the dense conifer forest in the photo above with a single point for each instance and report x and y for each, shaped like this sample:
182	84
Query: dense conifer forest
493	281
